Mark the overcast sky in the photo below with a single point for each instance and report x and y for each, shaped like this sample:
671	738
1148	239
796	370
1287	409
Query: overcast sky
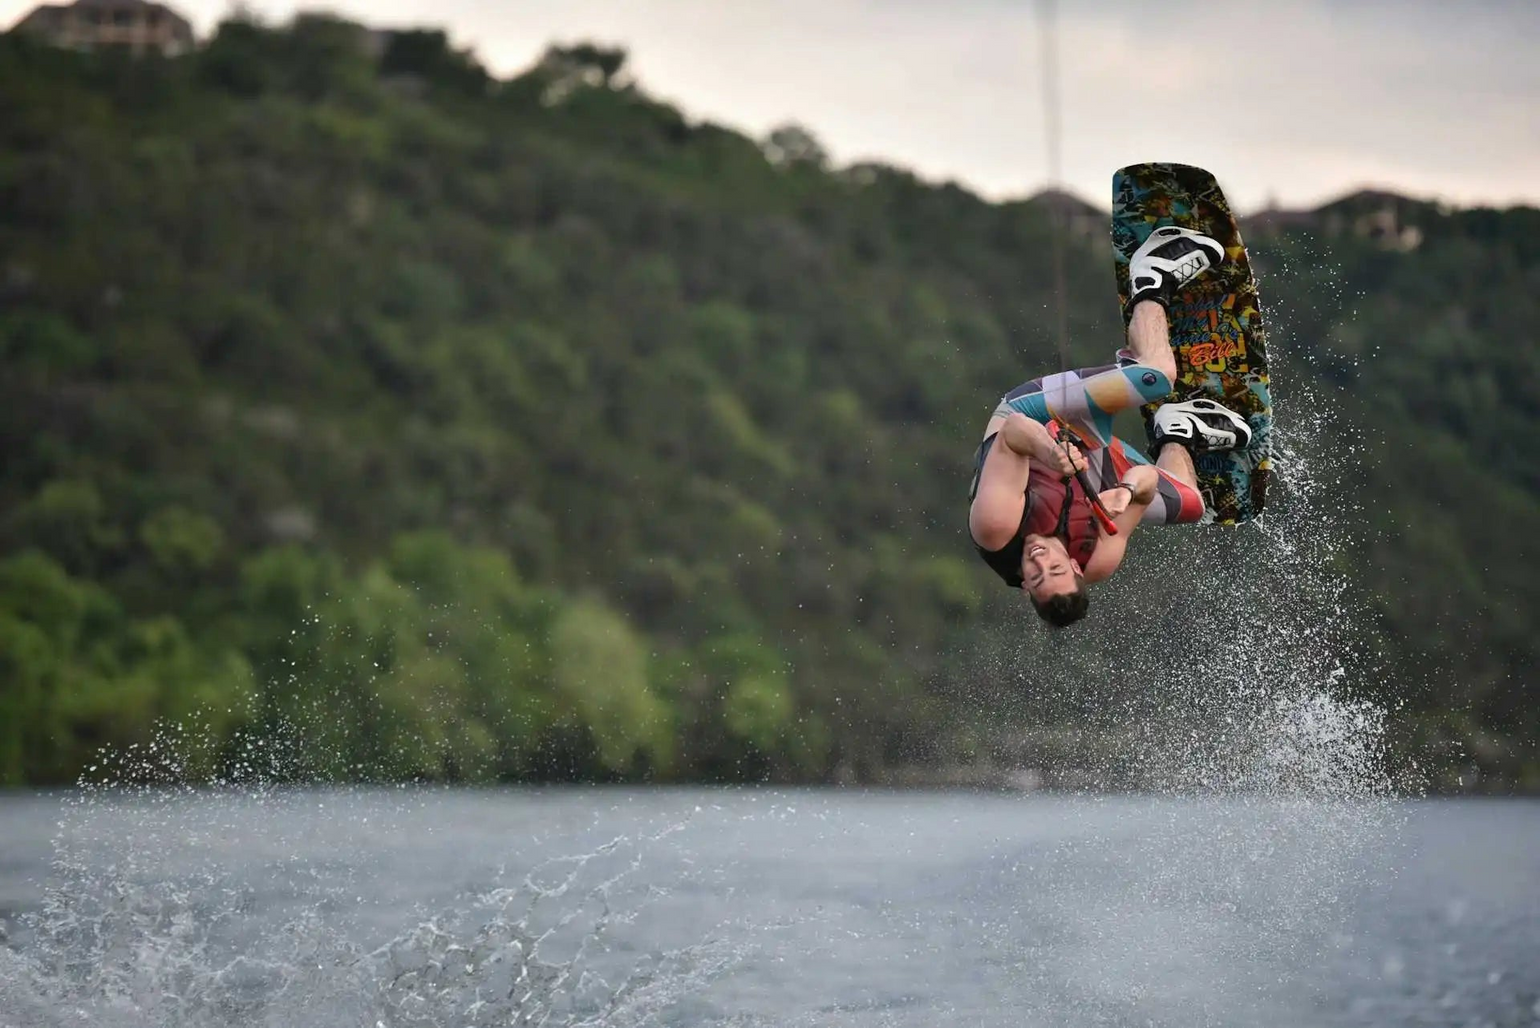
1298	100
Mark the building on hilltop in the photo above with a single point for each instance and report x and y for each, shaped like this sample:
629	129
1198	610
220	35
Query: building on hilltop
1377	216
1383	219
135	25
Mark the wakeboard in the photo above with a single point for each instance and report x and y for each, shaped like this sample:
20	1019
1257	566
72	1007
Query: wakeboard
1215	322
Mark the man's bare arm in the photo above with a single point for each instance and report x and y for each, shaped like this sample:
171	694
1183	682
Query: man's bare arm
1126	506
997	506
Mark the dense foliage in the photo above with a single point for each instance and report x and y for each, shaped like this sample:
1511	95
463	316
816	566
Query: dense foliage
528	430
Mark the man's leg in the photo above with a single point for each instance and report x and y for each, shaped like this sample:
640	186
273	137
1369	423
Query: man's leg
1149	338
1088	398
1175	461
1178	499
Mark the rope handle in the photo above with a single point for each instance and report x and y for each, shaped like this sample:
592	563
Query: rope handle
1108	525
1066	437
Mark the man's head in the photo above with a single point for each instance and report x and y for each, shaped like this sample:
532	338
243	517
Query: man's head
1053	581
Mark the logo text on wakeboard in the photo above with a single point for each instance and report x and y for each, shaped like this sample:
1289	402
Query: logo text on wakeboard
1215	354
1226	341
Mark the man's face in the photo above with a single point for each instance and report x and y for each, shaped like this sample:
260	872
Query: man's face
1046	568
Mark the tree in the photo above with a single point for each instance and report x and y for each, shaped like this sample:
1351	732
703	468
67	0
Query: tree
793	146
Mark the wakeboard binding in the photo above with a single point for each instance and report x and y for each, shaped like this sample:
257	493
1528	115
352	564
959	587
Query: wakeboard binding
1169	259
1201	425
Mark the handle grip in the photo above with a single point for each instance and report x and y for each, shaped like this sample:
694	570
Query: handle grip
1102	517
1108	525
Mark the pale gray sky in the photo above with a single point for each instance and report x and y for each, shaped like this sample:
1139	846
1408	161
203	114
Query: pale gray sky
1301	100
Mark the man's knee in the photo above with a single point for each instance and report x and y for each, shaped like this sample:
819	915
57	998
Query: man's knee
1150	382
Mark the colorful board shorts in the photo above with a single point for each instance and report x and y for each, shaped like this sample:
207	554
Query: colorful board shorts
1087	400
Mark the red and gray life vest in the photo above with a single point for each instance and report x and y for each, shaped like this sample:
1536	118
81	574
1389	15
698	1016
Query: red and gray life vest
1054	507
1062	508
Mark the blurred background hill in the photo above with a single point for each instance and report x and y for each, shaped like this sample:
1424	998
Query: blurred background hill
529	429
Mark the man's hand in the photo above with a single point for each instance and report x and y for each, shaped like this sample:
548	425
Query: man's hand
1065	458
1115	500
1144	480
1032	440
1138	486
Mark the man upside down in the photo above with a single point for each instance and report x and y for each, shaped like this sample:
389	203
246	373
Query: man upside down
1031	519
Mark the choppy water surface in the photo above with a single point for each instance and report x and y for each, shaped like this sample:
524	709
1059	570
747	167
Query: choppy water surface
758	907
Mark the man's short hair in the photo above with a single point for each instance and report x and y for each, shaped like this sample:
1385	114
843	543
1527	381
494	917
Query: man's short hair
1065	608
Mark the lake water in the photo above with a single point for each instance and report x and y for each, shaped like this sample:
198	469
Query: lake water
762	907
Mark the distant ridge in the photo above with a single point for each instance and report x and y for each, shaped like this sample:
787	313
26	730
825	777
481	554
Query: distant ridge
1388	219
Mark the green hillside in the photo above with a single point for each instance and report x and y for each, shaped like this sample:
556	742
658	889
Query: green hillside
528	430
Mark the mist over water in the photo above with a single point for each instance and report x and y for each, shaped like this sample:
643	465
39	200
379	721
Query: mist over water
1227	659
1235	668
